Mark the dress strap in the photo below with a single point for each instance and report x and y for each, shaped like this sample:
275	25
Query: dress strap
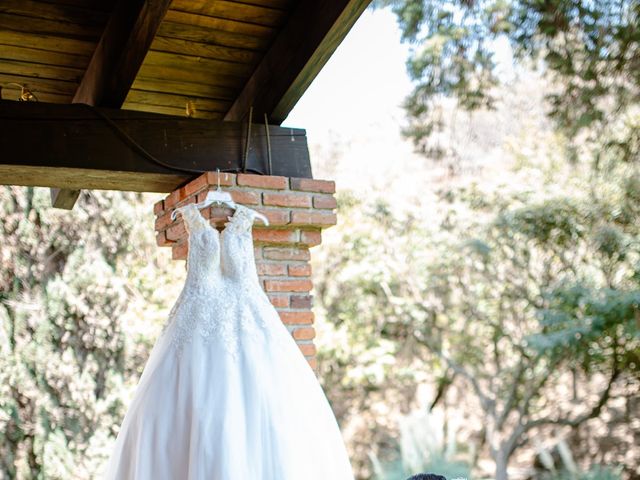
193	219
242	219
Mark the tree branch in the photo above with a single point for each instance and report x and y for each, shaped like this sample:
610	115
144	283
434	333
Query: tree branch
487	403
594	412
508	406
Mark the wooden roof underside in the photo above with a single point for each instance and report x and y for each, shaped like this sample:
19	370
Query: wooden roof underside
221	57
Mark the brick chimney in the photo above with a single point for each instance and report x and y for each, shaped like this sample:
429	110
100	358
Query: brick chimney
297	208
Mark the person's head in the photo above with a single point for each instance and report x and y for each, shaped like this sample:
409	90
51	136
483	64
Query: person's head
427	476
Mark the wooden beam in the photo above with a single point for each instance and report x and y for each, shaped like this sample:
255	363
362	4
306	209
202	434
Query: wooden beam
314	31
115	62
63	198
120	52
73	146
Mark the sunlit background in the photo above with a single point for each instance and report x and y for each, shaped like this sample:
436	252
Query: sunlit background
477	301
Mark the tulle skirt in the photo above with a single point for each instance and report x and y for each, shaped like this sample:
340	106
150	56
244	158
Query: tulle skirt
206	414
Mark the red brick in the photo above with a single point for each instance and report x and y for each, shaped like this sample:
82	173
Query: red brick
161	239
284	253
186	201
257	252
313	218
296	318
196	185
279	301
202	196
226	179
311	237
313	363
271	269
311	185
287	200
180	251
288	285
275	236
275	216
247	198
324	201
262	181
301	301
173	198
163	222
307	349
158	208
176	232
304	333
300	270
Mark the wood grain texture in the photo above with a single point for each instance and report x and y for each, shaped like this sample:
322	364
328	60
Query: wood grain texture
196	75
11	92
53	28
64	198
164	85
170	110
156	55
120	52
222	24
212	36
242	12
47	42
38	85
76	138
37	71
298	53
89	179
55	11
197	65
203	50
154	98
281	4
115	62
35	55
105	6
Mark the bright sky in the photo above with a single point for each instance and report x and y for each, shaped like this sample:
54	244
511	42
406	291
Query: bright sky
352	111
353	116
362	84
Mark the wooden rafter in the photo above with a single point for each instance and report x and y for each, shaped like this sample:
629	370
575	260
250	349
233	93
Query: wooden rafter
115	63
76	147
297	55
120	52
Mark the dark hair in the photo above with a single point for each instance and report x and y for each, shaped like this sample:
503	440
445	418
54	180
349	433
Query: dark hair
427	476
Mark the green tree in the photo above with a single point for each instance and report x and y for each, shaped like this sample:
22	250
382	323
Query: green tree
81	298
529	299
590	51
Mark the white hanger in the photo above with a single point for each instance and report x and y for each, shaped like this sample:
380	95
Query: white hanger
221	198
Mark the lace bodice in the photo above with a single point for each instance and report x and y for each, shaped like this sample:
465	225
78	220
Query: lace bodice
203	262
221	277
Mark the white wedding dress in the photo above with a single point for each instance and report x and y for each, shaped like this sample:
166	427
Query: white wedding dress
226	394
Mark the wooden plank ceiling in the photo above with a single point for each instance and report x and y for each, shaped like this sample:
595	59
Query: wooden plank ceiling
205	60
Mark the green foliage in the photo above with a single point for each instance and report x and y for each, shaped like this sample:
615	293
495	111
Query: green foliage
509	296
590	51
81	297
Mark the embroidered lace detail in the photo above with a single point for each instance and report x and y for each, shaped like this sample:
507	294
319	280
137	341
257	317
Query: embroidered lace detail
193	219
241	221
222	298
